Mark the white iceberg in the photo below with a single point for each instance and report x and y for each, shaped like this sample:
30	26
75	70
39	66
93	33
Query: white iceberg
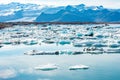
77	67
31	52
46	67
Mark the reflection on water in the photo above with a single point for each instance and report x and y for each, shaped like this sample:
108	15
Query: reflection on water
104	66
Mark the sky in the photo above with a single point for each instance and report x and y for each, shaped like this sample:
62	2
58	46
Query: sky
105	3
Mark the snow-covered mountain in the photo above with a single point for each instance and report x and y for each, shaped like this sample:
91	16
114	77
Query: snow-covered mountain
13	12
81	14
28	11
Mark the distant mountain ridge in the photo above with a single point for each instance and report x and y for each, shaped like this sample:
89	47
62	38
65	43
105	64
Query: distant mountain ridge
15	12
81	14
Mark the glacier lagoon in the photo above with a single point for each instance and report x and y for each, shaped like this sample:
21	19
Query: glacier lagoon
14	65
102	66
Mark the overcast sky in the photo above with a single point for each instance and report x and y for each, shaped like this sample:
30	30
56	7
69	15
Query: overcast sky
105	3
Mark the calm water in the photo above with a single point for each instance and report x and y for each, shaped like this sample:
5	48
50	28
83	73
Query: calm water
16	66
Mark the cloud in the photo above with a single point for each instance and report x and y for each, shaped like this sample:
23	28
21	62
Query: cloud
7	73
106	3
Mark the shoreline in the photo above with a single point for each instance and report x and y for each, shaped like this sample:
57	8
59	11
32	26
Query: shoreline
10	24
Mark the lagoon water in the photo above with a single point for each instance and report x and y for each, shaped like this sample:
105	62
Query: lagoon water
14	65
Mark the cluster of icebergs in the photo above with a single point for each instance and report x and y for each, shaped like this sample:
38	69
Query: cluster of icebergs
102	37
48	67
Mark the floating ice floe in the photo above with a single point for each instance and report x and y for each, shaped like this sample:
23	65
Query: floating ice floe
77	67
46	67
31	52
35	52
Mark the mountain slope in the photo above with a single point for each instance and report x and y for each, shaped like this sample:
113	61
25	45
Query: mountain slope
16	15
71	14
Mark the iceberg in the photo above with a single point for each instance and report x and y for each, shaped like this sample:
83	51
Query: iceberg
46	67
77	67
